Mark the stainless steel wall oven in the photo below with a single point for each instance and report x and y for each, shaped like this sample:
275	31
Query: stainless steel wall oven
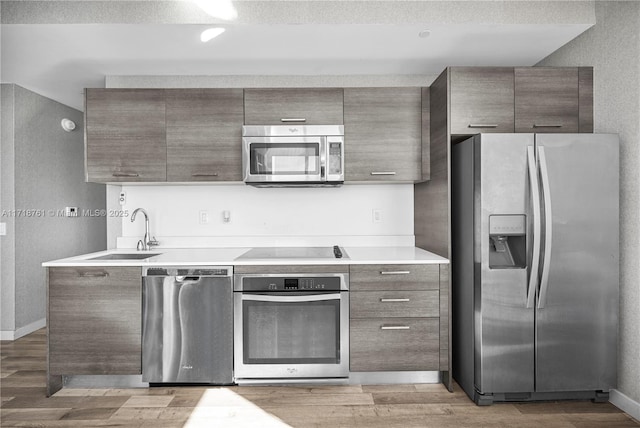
291	326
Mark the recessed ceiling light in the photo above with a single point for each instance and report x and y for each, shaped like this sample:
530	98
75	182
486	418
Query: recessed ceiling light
222	9
424	34
210	33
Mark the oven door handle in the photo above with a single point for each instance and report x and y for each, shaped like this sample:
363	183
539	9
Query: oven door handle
306	298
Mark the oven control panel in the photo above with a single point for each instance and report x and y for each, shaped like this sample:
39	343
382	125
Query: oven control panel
291	283
307	284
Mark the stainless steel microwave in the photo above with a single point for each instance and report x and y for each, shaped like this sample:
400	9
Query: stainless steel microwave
293	155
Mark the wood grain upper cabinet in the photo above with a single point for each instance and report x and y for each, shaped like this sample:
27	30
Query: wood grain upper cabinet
382	132
204	134
481	99
308	106
125	135
94	320
546	99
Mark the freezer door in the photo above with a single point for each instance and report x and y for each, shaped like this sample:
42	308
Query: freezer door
504	325
577	315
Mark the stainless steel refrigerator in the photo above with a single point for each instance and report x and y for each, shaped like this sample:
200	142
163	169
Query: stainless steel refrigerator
535	266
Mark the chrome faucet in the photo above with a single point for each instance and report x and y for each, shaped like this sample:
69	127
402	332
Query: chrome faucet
146	242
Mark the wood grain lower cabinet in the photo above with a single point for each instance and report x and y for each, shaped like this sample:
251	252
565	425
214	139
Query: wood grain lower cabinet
394	277
125	135
395	318
204	134
383	134
94	320
303	106
390	344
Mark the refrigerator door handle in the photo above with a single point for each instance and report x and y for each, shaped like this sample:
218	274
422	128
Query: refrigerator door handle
535	199
548	232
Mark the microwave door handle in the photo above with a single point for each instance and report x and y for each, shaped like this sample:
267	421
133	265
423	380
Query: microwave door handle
323	158
290	299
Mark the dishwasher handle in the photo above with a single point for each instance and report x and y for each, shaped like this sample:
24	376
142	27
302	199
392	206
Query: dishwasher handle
187	278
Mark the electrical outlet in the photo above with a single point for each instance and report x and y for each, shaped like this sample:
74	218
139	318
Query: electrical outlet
204	217
376	216
123	198
226	216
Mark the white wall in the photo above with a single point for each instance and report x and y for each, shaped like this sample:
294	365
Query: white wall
271	216
612	46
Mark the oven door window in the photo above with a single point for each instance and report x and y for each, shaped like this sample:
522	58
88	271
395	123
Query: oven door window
285	159
291	332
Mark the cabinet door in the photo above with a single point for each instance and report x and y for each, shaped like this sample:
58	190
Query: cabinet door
94	320
125	135
280	106
546	99
383	129
481	99
204	134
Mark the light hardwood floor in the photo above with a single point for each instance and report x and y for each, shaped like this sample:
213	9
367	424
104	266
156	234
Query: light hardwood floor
24	404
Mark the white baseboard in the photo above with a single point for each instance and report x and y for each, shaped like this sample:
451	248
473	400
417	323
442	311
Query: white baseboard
625	403
23	331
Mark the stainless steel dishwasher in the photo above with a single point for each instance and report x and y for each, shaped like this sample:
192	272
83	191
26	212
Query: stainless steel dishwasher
187	325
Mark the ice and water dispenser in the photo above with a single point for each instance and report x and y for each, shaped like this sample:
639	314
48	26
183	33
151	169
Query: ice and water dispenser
507	241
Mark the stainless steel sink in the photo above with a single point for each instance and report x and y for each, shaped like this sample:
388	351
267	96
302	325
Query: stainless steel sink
122	256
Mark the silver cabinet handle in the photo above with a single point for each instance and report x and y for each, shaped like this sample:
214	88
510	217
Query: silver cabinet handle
125	174
481	125
293	119
395	300
535	125
93	274
537	217
548	233
395	272
383	173
204	174
395	327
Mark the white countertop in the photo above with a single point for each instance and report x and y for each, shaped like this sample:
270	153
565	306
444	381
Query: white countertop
229	256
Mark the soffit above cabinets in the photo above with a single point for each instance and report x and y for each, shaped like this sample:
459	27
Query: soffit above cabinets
271	38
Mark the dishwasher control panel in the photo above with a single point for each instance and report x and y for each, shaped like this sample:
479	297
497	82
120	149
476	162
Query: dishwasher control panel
189	271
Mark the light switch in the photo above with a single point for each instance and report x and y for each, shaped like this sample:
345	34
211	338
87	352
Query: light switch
376	216
204	217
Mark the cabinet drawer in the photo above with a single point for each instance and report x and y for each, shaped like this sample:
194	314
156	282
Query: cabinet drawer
94	276
383	344
394	277
304	106
370	304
